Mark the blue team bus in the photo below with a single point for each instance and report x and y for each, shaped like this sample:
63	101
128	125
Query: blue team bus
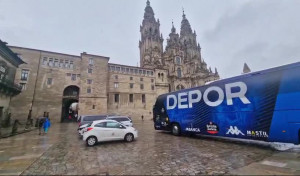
263	105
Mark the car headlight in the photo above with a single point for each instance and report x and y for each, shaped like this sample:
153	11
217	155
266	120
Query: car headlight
167	119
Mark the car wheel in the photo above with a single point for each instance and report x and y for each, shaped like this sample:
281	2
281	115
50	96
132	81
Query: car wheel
91	141
129	137
176	129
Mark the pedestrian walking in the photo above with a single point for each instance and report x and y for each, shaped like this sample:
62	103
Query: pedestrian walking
142	117
41	121
46	125
40	124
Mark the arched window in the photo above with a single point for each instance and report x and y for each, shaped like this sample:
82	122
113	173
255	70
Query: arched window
158	74
179	72
177	60
179	87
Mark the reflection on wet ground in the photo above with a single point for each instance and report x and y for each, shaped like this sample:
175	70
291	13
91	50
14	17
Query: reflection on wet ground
62	152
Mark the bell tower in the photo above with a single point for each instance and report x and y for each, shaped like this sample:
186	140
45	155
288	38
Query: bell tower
151	43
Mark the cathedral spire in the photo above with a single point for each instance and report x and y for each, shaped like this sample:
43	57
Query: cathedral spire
246	68
185	25
173	30
149	14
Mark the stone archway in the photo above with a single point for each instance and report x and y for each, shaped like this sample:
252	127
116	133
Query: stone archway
70	95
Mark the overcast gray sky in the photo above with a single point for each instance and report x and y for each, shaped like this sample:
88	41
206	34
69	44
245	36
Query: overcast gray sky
262	33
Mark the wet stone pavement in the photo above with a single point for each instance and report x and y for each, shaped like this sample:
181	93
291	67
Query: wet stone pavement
62	152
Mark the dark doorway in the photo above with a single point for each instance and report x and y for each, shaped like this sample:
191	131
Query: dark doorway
1	115
70	95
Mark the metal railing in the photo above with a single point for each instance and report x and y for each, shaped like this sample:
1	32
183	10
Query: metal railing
10	84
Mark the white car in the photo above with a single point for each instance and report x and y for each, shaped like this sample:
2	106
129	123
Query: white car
108	130
122	119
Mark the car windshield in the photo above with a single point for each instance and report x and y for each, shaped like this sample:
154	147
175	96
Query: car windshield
123	119
93	118
89	124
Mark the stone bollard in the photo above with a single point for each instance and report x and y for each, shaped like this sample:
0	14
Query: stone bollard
36	123
15	127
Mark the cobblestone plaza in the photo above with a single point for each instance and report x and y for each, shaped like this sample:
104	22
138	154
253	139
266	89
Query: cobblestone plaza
61	152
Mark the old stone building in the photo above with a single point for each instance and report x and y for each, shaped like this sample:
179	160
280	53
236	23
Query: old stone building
55	80
9	63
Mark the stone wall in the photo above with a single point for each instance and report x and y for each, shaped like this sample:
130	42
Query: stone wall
94	102
119	83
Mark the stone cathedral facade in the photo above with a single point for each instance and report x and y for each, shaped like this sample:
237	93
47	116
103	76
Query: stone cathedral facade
181	57
51	81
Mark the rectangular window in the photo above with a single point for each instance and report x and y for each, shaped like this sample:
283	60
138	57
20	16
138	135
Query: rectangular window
73	78
89	81
91	61
49	81
90	70
131	78
78	75
45	60
127	70
118	69
142	86
68	74
143	98
144	72
50	62
116	85
152	87
131	98
152	80
61	63
131	85
123	69
67	64
131	71
88	90
140	71
23	85
148	73
117	98
141	79
116	76
136	71
113	68
24	75
71	65
55	62
151	73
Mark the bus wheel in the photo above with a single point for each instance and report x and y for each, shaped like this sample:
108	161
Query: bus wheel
176	129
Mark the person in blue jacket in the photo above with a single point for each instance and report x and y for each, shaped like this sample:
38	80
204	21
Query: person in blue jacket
47	125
